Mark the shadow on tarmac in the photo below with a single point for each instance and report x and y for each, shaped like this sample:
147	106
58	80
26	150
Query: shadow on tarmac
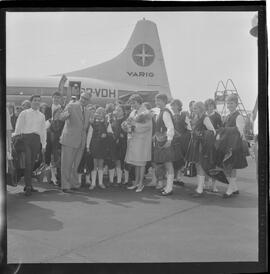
120	196
18	204
22	214
151	196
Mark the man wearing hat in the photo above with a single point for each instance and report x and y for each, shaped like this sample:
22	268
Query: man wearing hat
73	140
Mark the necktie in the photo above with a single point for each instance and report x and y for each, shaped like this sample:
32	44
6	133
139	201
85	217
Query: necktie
83	112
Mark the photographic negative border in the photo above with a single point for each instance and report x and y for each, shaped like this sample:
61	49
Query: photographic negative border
263	163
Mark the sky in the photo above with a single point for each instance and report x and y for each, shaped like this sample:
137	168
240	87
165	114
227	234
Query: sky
199	48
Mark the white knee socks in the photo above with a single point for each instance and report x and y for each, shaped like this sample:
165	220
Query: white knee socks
169	185
119	175
100	177
94	177
53	174
232	186
111	175
87	179
200	185
126	175
80	178
154	177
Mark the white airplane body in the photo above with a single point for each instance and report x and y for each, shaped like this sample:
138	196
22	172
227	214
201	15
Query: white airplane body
139	68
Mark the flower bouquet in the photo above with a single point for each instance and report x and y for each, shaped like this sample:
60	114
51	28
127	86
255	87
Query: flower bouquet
129	126
143	117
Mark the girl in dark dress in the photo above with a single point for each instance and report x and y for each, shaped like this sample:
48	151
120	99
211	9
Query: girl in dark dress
120	144
238	158
109	162
181	137
87	163
212	113
197	150
215	117
99	146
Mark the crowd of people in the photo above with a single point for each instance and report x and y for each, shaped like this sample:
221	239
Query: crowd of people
125	142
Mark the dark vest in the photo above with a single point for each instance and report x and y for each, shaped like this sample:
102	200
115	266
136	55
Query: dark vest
99	127
230	120
199	125
180	122
116	127
216	120
160	126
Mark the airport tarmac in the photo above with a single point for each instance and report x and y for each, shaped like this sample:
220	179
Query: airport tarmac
119	225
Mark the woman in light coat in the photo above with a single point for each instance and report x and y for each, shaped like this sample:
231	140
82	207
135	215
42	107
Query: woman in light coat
139	143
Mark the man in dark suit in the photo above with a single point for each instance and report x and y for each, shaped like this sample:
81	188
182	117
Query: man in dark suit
73	140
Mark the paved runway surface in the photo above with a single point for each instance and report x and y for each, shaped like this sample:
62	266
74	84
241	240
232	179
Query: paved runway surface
119	225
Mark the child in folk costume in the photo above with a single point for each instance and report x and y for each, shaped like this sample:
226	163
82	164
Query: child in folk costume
163	141
238	159
99	147
215	118
211	110
87	164
182	137
197	152
120	144
109	163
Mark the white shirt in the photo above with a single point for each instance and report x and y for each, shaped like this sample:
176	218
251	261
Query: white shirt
169	125
207	122
54	108
8	121
32	121
8	135
89	136
240	124
255	126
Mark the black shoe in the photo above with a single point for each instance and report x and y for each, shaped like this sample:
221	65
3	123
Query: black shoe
179	183
27	191
236	192
164	193
66	190
226	196
197	195
34	190
31	189
161	189
75	188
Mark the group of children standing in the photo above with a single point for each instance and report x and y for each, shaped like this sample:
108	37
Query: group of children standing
107	144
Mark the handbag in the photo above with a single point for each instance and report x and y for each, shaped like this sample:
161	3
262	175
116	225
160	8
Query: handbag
190	169
190	166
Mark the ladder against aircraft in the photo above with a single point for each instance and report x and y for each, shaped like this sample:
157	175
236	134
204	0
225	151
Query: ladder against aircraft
221	94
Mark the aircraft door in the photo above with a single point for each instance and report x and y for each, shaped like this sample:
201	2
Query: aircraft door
75	87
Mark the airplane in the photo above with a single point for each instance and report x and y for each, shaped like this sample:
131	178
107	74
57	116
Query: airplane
139	68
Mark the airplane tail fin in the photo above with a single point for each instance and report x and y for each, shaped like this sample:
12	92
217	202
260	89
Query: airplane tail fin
141	63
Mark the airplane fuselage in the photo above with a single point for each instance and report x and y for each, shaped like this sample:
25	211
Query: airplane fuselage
20	89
